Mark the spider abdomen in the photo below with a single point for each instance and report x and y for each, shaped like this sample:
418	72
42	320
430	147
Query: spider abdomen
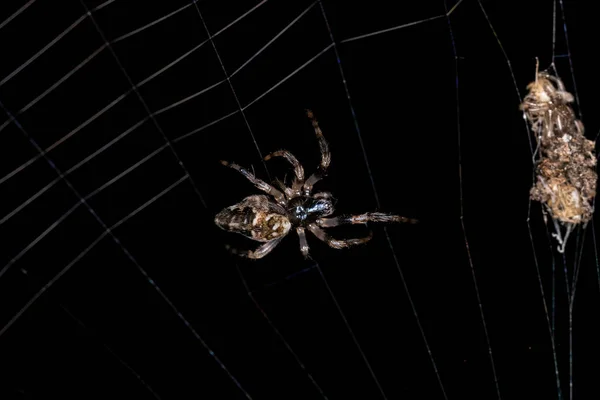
253	221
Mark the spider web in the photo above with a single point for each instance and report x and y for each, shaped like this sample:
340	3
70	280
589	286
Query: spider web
113	276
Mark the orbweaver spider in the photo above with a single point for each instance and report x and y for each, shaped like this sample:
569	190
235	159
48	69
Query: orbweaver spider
261	219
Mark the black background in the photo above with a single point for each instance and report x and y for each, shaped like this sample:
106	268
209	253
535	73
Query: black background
103	329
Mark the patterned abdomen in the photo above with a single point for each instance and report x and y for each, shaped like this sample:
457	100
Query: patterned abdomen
254	220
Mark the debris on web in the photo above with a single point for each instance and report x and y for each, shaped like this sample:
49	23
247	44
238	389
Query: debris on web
566	176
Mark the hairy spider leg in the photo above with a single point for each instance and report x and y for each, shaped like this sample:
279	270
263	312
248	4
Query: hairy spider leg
262	185
303	243
322	195
325	156
363	219
288	192
260	252
337	243
298	172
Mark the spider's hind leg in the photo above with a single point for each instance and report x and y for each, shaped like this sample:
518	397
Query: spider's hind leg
262	185
325	156
260	252
363	219
337	243
303	243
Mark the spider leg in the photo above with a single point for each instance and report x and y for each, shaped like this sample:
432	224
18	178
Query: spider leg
303	243
298	171
325	156
337	243
260	252
322	195
262	185
288	192
363	219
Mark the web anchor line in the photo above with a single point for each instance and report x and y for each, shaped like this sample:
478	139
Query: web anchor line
377	202
577	260
92	335
250	294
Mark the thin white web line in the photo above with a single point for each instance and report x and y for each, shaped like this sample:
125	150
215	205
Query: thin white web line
278	333
186	99
54	86
16	13
61	80
564	19
144	27
549	321
239	18
577	265
294	72
42	51
392	29
100	150
86	122
462	217
79	66
577	262
97	51
172	63
595	139
237	100
79	257
76	205
108	232
97	152
379	32
49	45
193	132
94	335
127	132
376	197
288	26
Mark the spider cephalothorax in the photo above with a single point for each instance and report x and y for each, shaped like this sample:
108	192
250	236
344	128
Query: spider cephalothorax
269	220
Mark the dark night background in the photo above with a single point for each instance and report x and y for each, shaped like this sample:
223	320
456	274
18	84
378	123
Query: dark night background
103	329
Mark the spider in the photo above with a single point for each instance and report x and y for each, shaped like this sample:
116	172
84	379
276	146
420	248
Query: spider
269	220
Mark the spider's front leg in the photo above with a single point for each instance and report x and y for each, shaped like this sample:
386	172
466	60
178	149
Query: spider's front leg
262	185
260	252
325	156
363	219
337	243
